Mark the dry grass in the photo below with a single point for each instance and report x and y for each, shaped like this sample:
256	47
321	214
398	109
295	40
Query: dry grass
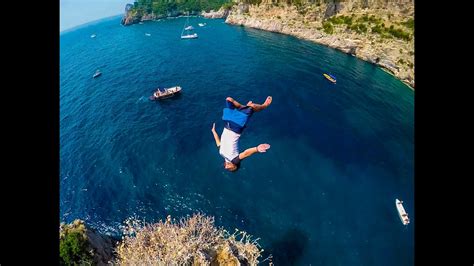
188	241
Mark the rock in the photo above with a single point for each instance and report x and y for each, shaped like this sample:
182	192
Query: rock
102	245
128	18
221	13
242	8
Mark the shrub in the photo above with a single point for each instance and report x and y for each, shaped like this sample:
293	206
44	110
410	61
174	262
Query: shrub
228	5
410	23
189	241
377	29
328	27
399	33
362	28
73	249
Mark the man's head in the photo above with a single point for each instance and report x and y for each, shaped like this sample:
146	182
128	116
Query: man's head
230	166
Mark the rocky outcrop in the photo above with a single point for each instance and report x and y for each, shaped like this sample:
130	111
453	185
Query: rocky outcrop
306	22
221	13
100	246
132	16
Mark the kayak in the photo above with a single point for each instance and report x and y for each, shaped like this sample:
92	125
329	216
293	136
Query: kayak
330	78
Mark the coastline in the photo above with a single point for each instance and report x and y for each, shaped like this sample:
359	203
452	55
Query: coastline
391	55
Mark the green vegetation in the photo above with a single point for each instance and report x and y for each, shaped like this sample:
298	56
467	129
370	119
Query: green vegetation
340	20
365	22
162	7
327	27
73	246
252	2
399	33
192	240
228	5
410	23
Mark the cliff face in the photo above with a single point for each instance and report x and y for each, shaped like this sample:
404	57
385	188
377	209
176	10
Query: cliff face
366	35
221	13
100	247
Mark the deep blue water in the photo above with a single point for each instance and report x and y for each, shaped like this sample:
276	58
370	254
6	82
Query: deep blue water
322	195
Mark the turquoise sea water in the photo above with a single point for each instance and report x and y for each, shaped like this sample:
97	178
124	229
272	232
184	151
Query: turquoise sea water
324	194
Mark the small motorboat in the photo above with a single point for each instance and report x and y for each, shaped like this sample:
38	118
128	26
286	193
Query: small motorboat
401	212
330	77
93	36
189	28
189	36
202	24
166	93
147	34
96	74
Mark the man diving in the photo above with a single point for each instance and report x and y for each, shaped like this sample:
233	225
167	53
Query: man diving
235	117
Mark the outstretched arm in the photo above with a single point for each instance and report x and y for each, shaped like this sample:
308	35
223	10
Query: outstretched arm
248	152
216	137
234	102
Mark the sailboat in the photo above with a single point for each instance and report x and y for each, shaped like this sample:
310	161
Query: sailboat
188	35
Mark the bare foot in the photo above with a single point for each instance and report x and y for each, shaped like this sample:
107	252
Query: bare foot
263	147
268	101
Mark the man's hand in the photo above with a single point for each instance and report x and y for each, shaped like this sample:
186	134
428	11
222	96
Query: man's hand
229	99
214	133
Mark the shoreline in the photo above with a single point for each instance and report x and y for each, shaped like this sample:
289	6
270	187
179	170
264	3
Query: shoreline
393	55
335	48
348	52
346	43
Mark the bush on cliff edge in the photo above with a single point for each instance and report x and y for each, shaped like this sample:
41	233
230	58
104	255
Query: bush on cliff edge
188	241
73	245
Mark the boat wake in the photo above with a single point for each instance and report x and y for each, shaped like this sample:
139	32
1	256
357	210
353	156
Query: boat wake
141	99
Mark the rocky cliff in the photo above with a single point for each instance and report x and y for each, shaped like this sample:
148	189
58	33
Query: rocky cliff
380	32
99	247
221	13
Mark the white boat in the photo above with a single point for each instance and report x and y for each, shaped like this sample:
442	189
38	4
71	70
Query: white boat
202	24
401	212
93	36
96	74
188	35
147	34
165	93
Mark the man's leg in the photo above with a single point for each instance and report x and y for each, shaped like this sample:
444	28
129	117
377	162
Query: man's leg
231	103
259	107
